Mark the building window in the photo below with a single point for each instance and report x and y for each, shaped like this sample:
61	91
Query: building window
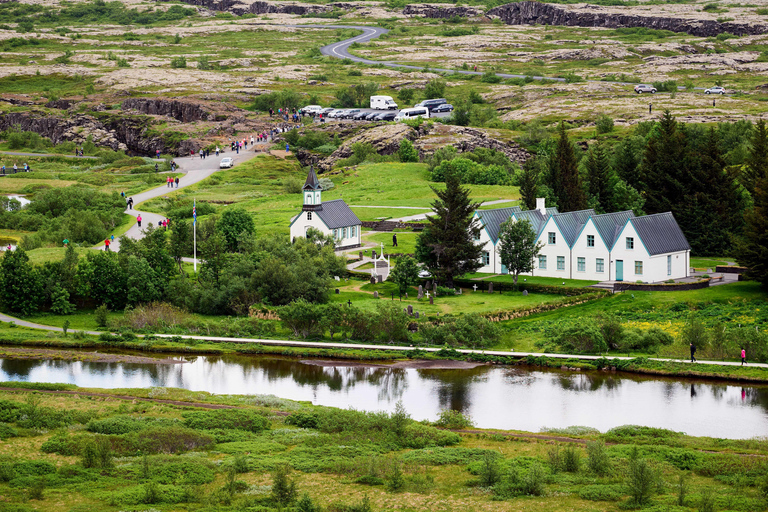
630	242
309	198
669	265
309	215
335	233
581	264
638	268
476	236
344	233
561	263
552	238
590	240
542	262
599	265
486	258
352	232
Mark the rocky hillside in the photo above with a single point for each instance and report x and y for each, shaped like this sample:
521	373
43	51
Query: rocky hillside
535	13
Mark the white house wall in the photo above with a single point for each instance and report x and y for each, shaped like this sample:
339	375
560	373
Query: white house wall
301	224
552	251
590	255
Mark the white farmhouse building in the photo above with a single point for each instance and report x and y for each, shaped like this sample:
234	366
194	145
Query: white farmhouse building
330	217
600	247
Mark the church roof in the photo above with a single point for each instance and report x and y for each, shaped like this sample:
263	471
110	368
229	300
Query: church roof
312	182
336	214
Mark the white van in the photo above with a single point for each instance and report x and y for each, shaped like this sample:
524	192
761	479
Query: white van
383	103
412	113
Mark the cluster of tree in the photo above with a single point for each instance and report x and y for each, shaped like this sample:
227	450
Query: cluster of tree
313	140
356	95
481	166
112	12
237	271
666	166
79	214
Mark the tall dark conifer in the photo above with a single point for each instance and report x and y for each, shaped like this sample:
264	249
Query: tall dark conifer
447	246
529	183
757	160
601	180
566	181
752	251
662	175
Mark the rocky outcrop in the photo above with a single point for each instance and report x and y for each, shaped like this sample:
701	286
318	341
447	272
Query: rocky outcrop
243	7
531	13
108	130
185	112
385	139
439	11
464	140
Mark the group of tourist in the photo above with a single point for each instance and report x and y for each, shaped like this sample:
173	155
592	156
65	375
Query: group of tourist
25	168
170	181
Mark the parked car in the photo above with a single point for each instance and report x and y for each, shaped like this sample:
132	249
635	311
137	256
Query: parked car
386	116
337	113
371	116
445	107
424	274
351	112
311	110
715	90
226	162
327	111
431	104
641	88
359	116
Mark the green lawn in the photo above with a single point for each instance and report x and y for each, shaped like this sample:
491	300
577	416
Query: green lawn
406	242
376	214
705	263
549	281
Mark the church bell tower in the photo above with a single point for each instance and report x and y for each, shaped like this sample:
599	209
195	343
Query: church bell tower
312	192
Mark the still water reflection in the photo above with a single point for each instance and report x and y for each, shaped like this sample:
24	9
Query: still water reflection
495	397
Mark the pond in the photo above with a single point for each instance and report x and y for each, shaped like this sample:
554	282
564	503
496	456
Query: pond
494	396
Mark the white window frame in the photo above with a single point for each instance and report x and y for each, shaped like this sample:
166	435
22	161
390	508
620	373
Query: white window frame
638	265
486	258
590	240
542	261
600	265
551	238
581	264
561	259
669	265
630	243
309	215
353	232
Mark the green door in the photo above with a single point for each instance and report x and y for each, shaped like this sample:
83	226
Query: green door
504	269
619	270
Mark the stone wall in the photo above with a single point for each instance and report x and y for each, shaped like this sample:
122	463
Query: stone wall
185	112
730	269
532	13
242	7
678	287
440	11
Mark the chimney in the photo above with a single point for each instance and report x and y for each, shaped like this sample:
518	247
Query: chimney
541	206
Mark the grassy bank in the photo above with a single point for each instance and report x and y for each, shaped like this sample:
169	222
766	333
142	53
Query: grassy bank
170	449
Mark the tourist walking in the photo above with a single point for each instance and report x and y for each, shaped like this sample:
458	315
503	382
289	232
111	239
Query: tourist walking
743	356
106	244
138	220
693	351
130	204
177	182
394	240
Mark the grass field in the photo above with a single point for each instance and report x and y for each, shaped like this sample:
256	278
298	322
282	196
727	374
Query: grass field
345	459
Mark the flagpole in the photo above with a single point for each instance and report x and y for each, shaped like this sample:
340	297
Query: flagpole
194	230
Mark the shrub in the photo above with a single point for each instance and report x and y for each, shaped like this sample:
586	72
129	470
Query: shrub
101	315
601	492
604	124
227	419
179	62
514	484
157	439
490	474
407	152
418	435
355	72
597	458
490	77
454	419
571	459
642	480
283	488
117	425
580	338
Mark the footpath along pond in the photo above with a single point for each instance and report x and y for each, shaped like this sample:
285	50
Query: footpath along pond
494	396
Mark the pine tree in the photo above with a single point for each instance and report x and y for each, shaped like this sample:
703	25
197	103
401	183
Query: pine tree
662	174
447	245
757	161
566	181
752	251
626	159
601	180
529	183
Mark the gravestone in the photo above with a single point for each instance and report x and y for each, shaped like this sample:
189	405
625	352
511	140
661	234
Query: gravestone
361	255
490	286
432	300
337	278
379	278
421	292
373	254
406	295
525	293
410	310
474	287
459	292
417	314
375	295
373	280
337	291
434	288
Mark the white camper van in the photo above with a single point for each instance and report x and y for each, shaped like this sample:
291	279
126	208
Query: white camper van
383	103
411	113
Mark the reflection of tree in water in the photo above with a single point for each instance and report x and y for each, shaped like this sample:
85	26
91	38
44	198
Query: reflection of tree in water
391	382
591	381
454	386
18	368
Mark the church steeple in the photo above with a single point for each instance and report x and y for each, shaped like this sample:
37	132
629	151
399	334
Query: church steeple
312	192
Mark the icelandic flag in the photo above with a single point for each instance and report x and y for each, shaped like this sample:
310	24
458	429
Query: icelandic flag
194	212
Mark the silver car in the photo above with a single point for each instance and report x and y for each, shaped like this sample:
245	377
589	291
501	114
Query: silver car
641	88
715	90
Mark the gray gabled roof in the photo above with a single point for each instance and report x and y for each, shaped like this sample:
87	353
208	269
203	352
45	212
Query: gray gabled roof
660	233
535	217
570	223
336	214
493	219
609	225
312	182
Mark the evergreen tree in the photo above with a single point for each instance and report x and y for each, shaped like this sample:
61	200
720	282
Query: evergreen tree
447	245
752	251
233	223
530	180
757	160
21	289
566	181
626	159
662	173
601	180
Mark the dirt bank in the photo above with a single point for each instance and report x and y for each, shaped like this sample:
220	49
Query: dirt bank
419	365
71	355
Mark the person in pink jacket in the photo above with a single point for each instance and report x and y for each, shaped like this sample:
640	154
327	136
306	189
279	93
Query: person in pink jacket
743	356
138	219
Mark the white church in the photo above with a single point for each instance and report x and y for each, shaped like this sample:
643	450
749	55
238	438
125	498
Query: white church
330	217
600	247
